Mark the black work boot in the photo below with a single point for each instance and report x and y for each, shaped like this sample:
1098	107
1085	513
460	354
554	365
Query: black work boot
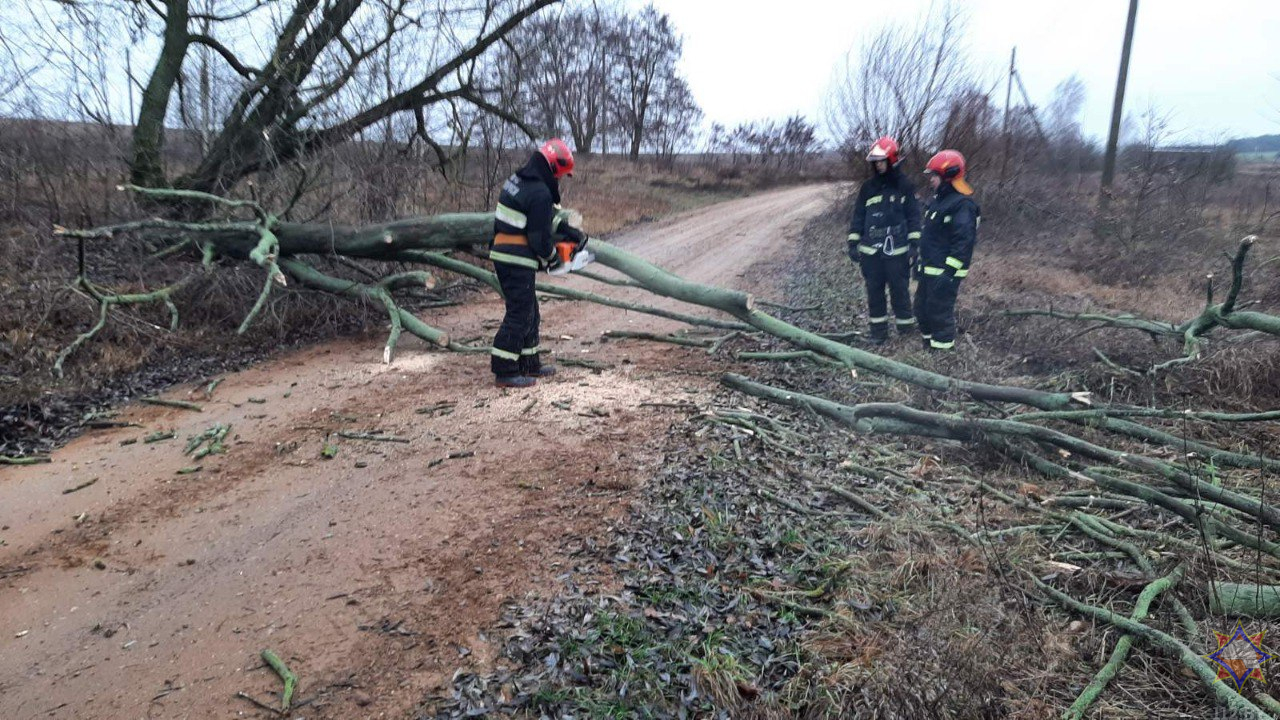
514	381
531	366
879	334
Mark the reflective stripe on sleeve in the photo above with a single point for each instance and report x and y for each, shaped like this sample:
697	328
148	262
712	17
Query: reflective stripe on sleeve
873	200
514	260
854	237
511	216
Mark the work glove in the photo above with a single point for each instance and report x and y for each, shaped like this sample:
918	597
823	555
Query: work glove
551	263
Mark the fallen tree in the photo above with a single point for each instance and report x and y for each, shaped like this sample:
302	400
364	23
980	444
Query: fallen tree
1120	455
1191	332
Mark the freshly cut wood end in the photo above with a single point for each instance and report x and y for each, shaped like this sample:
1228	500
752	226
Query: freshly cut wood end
387	354
1084	398
1062	567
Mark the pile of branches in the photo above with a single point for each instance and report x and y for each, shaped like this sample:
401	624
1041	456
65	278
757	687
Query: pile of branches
1116	457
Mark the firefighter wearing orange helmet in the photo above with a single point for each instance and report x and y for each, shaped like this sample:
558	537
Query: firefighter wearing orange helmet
951	219
526	230
882	240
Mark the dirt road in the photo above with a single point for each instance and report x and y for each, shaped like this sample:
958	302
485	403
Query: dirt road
149	593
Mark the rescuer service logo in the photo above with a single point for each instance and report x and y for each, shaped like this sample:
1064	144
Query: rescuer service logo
1239	656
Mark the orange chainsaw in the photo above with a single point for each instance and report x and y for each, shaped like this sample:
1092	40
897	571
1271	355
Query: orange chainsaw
572	255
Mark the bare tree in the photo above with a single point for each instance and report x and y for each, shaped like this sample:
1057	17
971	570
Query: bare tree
298	68
648	49
569	75
675	117
900	83
1065	109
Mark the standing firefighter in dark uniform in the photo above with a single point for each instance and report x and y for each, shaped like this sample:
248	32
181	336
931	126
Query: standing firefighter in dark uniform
951	221
883	237
524	242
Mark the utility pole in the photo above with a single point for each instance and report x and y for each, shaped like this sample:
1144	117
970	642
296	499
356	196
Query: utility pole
1008	97
1109	161
128	77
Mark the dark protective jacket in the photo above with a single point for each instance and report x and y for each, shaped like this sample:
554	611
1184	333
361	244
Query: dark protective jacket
951	222
527	207
886	215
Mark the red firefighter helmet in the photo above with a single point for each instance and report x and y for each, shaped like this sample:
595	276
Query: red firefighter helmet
949	165
886	148
558	156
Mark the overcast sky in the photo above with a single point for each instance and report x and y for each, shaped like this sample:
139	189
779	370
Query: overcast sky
1214	66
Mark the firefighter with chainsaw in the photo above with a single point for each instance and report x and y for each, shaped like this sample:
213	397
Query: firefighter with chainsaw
531	233
883	237
951	219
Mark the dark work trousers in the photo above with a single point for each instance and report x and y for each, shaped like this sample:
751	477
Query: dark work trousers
515	347
892	272
936	309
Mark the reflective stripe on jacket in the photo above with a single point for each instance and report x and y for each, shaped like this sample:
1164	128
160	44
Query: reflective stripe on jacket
886	215
951	222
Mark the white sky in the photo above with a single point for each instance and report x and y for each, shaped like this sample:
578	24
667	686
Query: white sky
1214	66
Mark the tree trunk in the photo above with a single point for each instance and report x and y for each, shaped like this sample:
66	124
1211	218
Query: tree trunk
147	168
1245	600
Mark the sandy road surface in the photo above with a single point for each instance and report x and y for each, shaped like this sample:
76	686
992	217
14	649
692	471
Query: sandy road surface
149	594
